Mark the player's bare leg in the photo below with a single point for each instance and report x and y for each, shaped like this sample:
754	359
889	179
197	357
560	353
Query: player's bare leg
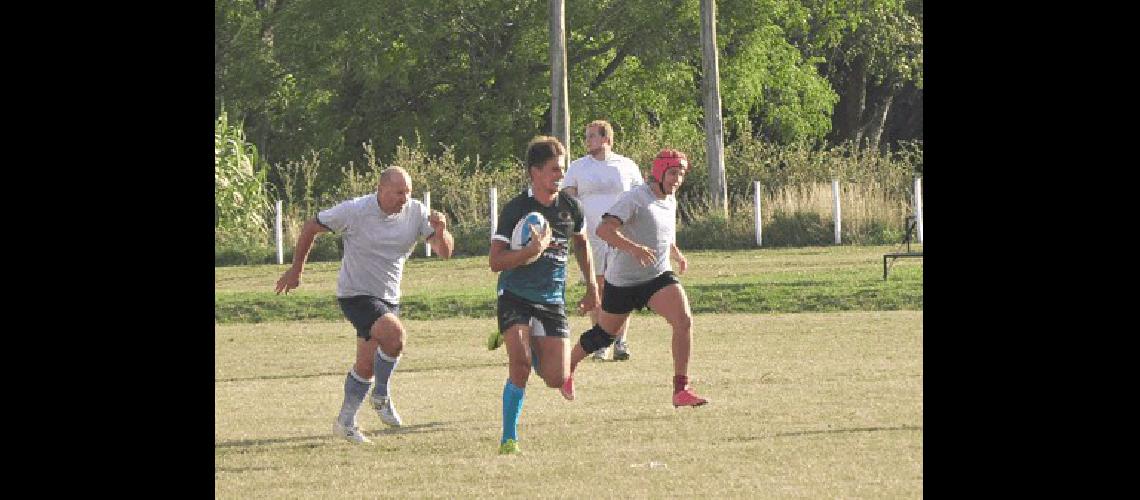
672	304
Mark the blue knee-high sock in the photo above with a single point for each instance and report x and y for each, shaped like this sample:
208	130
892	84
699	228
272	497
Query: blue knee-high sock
384	366
355	388
512	408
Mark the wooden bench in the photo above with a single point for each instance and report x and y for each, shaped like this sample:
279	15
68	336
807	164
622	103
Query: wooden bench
897	255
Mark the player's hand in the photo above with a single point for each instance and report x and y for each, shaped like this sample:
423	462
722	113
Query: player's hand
589	300
541	240
438	221
289	280
644	255
682	263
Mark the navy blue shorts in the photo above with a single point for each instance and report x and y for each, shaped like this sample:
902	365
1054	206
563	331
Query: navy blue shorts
515	310
624	299
363	310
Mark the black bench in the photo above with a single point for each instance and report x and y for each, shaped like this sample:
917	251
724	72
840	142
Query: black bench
911	222
898	255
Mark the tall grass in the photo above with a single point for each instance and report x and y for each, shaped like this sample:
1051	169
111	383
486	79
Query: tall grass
796	200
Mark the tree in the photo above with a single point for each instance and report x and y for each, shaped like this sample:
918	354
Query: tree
328	76
872	49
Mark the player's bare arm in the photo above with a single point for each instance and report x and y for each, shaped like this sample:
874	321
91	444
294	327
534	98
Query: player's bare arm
609	232
584	256
503	258
682	262
441	241
291	278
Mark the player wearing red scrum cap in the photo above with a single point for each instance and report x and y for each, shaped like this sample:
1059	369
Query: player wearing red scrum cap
596	180
641	226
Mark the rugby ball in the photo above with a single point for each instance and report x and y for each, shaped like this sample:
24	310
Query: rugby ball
520	237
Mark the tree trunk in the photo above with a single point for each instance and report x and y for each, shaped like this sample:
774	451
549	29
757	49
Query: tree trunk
609	69
875	117
714	126
905	121
559	102
852	101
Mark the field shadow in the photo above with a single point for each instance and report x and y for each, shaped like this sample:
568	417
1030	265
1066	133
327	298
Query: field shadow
276	377
239	470
642	418
329	438
469	366
407	429
247	443
828	431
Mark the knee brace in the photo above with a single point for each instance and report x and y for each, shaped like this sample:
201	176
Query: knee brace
594	339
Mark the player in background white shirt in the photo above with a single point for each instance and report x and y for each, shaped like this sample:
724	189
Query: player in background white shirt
596	180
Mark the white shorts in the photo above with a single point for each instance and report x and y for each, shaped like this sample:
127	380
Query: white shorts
599	252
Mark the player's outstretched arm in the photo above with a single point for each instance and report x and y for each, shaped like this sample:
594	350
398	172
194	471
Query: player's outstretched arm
291	278
584	256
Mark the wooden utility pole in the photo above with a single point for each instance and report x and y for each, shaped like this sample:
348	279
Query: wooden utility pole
559	104
714	127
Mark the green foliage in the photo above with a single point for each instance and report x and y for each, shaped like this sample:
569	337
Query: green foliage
768	87
230	250
236	249
798	229
471	239
886	35
240	200
326	77
871	52
460	73
874	232
459	188
709	229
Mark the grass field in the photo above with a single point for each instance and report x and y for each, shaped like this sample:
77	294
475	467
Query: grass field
786	280
805	405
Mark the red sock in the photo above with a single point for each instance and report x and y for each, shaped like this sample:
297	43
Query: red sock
680	382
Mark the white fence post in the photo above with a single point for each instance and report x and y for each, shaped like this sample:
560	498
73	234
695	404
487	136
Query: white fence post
756	210
838	212
918	205
427	204
280	247
494	209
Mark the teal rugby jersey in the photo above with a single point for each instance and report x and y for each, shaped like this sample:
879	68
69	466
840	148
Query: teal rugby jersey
544	280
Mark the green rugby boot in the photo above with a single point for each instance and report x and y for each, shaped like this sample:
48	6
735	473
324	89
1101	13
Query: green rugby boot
510	447
494	340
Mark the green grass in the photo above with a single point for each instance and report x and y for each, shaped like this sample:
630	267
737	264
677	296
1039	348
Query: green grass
813	405
809	405
786	280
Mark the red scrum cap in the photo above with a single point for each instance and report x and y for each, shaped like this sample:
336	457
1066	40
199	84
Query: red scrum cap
666	159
